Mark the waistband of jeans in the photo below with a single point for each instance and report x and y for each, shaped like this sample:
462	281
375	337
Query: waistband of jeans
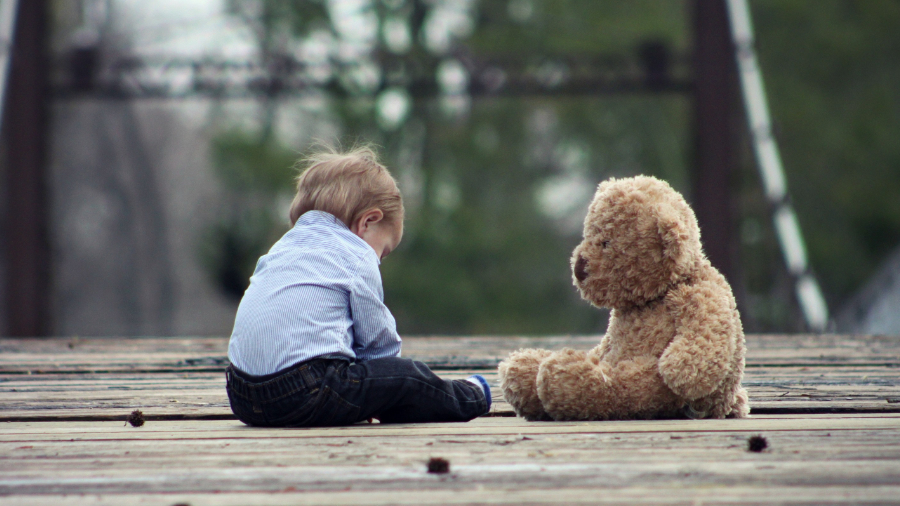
243	383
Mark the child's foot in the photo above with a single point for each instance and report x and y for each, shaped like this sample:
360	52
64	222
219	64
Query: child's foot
479	380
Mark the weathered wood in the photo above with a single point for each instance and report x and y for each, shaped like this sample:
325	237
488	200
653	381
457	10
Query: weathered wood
205	457
202	395
84	355
762	349
113	396
493	460
617	442
499	494
217	429
538	474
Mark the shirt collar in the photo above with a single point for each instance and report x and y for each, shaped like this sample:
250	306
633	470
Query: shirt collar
321	217
315	217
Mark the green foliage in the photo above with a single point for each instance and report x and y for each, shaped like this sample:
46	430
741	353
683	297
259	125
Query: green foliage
245	162
832	70
483	252
580	26
480	253
271	19
254	171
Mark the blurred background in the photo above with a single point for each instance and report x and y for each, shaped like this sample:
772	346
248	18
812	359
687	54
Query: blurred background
147	151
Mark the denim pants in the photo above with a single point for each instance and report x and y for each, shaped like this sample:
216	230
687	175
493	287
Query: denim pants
333	391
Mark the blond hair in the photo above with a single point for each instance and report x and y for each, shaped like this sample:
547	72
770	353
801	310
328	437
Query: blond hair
346	185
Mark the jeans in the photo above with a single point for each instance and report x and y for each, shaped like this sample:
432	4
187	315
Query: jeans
334	391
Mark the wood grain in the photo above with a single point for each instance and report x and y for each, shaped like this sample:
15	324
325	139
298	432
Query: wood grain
853	457
182	395
107	354
829	407
710	494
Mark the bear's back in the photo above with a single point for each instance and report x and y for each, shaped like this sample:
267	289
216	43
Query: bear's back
647	330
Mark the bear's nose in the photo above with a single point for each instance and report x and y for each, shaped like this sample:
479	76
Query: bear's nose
580	269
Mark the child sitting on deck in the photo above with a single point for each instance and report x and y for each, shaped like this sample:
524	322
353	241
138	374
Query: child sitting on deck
313	343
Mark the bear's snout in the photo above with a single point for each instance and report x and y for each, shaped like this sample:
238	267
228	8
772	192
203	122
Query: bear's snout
580	269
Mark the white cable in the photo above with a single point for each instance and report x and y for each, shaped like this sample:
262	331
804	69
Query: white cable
788	231
768	159
812	302
8	10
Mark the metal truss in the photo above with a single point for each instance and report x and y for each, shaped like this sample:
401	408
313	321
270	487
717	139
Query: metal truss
81	74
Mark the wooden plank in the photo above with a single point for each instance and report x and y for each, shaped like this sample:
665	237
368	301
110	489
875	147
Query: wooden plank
762	349
113	396
67	390
202	395
78	355
622	445
853	458
529	476
57	458
189	440
666	495
217	429
812	458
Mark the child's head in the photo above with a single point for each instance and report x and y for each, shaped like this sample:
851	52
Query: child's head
352	186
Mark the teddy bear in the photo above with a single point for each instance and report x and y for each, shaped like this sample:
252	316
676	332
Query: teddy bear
674	346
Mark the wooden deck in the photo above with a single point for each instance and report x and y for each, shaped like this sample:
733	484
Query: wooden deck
829	407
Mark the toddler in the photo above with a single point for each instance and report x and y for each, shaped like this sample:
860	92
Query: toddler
313	343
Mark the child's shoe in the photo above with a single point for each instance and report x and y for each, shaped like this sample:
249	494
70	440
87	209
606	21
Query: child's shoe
479	380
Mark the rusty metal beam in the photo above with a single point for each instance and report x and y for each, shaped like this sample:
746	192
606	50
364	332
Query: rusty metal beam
25	217
715	134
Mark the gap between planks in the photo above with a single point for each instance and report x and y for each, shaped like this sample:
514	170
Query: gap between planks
216	429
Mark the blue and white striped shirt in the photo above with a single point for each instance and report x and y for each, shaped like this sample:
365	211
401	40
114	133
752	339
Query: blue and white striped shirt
316	292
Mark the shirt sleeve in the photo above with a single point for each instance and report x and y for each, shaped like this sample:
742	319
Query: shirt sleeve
374	328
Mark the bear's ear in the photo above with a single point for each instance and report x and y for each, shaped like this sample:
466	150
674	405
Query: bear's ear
675	238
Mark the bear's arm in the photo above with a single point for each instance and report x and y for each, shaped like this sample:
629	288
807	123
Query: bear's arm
698	358
597	352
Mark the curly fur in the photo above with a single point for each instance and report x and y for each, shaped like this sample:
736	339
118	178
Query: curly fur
674	346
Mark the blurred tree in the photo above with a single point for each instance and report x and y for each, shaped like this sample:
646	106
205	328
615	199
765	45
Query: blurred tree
496	187
831	70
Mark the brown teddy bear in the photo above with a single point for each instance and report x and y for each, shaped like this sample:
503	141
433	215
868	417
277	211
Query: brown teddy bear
674	346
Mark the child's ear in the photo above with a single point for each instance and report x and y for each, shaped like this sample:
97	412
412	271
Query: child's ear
368	218
374	216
